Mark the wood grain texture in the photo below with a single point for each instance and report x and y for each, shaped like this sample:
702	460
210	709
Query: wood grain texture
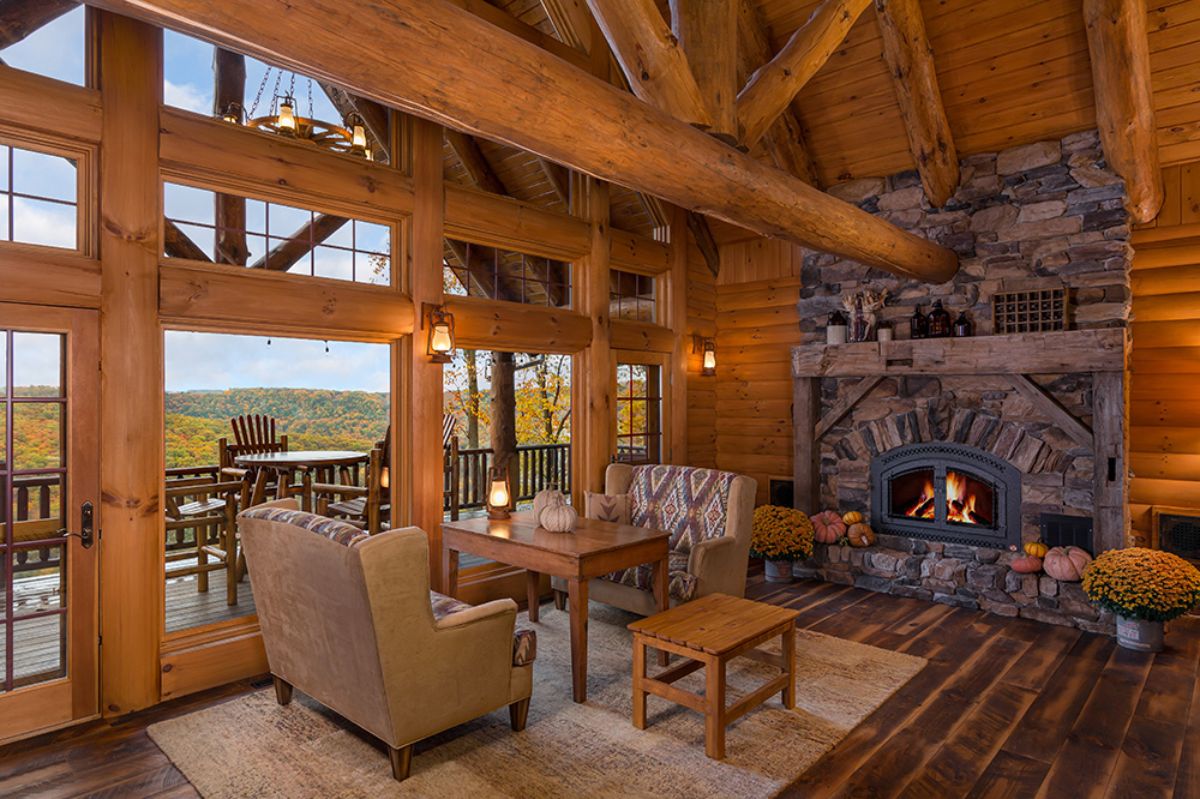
707	32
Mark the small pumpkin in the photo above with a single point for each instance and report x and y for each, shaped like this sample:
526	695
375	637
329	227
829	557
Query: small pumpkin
860	534
1066	564
1027	564
852	517
828	527
1037	549
559	516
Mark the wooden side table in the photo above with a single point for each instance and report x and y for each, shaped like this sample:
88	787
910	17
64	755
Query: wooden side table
708	633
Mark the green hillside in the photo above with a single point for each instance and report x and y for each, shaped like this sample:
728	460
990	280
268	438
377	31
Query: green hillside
311	418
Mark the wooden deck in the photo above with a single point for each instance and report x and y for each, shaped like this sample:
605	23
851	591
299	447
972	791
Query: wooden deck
1005	708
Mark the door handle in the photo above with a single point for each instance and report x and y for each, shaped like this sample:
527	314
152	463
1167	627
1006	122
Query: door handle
87	527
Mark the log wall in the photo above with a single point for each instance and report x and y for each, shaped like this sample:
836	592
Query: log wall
1165	367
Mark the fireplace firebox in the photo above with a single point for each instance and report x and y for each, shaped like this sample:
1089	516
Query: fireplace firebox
947	492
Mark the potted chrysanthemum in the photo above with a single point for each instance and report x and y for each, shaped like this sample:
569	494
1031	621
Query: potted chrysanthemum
781	535
1144	588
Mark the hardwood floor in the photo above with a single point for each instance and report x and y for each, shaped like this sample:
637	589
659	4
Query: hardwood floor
1005	708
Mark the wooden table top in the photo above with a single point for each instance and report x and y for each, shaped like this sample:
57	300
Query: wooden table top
302	457
590	536
715	624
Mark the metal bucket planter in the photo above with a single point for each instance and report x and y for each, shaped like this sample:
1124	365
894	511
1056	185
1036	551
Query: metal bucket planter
779	571
1140	635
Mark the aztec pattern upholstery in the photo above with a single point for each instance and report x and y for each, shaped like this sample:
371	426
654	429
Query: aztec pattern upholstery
691	504
524	649
335	530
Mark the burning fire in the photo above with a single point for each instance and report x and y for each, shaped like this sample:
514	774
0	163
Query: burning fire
960	501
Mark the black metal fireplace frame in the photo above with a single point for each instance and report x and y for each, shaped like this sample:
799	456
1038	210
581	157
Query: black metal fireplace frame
1005	478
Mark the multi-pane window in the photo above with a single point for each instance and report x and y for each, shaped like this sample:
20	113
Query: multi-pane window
475	270
639	413
631	296
224	228
38	198
56	48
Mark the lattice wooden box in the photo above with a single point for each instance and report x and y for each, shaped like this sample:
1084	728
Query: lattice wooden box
1034	311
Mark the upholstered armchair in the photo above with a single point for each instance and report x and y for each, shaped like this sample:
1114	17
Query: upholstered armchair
709	514
348	618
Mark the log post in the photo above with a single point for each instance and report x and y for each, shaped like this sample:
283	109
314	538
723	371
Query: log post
229	81
806	456
1120	53
591	400
675	379
707	32
909	56
503	432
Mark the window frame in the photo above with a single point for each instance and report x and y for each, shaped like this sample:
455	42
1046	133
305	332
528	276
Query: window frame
569	272
86	199
662	362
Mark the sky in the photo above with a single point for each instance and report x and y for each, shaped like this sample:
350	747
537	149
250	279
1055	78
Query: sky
194	361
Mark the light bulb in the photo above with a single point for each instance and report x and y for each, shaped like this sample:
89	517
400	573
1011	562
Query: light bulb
287	117
440	341
498	495
359	138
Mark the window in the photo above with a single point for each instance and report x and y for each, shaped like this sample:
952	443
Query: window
268	235
38	198
475	270
631	296
639	413
57	48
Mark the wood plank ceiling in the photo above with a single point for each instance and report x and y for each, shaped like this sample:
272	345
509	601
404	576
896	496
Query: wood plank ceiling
1010	72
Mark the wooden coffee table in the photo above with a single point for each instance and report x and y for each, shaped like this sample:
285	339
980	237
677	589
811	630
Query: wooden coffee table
709	632
592	549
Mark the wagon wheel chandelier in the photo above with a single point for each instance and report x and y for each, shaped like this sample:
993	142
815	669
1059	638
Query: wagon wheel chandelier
282	118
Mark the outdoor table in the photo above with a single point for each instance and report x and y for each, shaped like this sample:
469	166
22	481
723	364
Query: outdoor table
307	461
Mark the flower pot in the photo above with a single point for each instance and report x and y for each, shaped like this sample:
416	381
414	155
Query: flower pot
1140	635
779	571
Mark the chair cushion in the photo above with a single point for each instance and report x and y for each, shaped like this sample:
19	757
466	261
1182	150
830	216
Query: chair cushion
334	529
524	649
689	503
682	585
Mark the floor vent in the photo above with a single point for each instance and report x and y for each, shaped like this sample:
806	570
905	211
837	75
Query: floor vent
1177	530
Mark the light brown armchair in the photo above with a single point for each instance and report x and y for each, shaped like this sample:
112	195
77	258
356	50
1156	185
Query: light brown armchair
709	514
348	618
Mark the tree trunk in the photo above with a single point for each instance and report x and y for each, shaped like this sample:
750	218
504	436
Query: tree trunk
504	415
229	82
470	356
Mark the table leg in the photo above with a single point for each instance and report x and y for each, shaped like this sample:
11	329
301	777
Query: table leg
577	602
639	674
450	571
714	708
532	593
306	498
789	666
662	595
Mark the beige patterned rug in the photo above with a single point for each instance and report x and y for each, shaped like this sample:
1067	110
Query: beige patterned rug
250	746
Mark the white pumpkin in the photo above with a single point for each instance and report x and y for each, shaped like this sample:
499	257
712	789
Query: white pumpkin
544	499
559	517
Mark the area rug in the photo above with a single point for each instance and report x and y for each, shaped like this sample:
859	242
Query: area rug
250	746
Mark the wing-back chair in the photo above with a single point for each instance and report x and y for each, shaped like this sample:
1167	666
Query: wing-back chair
709	514
348	618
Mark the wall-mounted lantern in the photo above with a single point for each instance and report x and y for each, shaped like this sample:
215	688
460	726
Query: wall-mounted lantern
440	342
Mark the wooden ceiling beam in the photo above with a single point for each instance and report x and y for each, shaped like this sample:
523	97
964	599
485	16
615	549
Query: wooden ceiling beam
431	58
705	240
283	256
707	32
651	58
784	140
909	57
572	21
1120	54
469	154
773	86
19	18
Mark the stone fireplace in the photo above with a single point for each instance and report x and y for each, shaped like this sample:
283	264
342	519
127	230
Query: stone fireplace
959	449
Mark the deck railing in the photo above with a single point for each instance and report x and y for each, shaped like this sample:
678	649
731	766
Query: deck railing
538	466
36	498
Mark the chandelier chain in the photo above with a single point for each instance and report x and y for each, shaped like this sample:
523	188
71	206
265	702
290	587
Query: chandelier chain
258	96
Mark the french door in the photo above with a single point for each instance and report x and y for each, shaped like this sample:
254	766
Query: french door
49	498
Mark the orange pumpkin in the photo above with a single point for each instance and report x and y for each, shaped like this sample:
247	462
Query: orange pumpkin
1027	564
828	527
1066	564
860	535
1036	548
852	517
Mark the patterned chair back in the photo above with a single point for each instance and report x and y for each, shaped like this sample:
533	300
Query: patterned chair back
690	503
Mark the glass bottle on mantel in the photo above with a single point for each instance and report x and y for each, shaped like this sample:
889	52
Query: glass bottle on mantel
918	324
963	326
939	321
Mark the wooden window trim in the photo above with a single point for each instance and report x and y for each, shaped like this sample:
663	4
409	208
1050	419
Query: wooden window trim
643	358
86	158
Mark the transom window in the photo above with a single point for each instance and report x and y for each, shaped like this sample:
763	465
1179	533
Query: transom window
38	198
639	413
631	296
224	228
476	270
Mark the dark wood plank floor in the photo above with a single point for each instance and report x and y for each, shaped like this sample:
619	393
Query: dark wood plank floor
1005	708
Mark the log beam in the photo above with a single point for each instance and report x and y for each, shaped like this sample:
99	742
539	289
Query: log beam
283	256
651	58
374	116
19	18
229	83
771	89
1120	54
705	240
909	57
447	64
707	32
469	154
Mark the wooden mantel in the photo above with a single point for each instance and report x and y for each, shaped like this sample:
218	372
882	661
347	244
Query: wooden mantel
1103	353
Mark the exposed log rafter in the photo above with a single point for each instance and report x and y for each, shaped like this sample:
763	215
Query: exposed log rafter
909	57
773	87
705	241
374	116
448	65
177	244
707	32
1120	53
19	18
286	254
